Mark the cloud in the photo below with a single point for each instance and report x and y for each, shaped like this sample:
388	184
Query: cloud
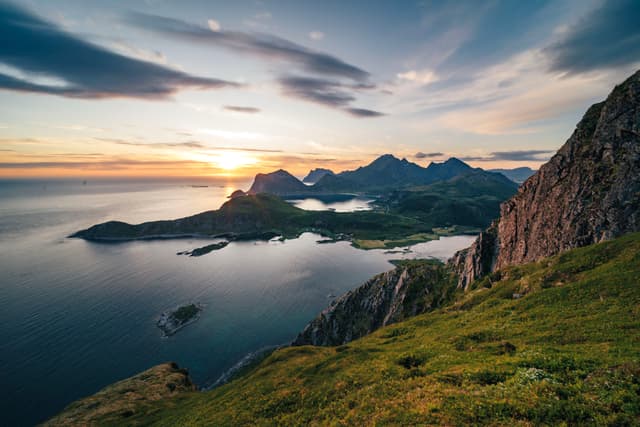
330	93
515	155
101	164
316	35
421	155
185	144
32	48
363	112
423	77
266	46
607	37
213	25
241	109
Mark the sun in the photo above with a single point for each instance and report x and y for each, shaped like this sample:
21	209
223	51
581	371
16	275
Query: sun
231	160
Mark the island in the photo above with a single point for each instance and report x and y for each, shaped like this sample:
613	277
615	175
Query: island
172	321
205	249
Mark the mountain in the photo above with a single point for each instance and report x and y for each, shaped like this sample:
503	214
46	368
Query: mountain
389	172
467	199
446	170
314	175
518	175
385	173
279	183
588	192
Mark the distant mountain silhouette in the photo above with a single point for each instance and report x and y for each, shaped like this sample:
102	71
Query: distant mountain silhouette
315	175
385	173
518	175
279	183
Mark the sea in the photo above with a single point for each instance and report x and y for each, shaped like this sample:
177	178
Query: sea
76	316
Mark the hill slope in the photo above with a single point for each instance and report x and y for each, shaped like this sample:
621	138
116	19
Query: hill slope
551	342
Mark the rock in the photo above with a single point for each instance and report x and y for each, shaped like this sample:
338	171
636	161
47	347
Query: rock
409	289
588	192
172	321
113	404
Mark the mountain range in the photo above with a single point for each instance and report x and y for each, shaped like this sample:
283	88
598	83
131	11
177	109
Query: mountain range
385	173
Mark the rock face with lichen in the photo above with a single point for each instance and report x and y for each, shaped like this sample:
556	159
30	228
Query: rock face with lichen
413	287
588	192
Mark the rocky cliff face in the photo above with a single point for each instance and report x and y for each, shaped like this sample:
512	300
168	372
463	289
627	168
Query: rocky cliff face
413	287
588	192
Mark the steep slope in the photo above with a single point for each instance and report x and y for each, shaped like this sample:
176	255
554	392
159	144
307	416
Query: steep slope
547	343
588	192
315	175
122	400
279	183
413	287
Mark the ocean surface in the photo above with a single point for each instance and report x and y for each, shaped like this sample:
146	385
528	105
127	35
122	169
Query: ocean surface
76	316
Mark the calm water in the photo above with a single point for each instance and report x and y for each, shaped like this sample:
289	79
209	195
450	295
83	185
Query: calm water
76	316
349	205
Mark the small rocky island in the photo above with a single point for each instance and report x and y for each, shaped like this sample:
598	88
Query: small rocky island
205	249
172	321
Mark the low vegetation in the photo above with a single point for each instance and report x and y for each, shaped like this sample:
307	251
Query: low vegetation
555	342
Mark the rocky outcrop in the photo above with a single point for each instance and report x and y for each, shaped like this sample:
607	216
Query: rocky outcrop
116	403
588	192
413	287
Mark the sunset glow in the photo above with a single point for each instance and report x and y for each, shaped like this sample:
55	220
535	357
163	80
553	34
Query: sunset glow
247	87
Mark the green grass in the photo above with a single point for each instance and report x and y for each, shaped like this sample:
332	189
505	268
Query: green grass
565	353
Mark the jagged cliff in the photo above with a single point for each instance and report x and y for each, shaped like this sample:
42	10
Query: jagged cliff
588	192
413	287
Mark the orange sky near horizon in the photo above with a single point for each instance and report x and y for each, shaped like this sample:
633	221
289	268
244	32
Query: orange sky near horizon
233	165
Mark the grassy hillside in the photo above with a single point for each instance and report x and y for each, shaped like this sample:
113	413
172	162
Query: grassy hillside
471	200
554	342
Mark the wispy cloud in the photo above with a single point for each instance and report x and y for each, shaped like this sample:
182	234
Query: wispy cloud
515	155
266	46
326	92
241	109
32	47
421	155
186	144
607	37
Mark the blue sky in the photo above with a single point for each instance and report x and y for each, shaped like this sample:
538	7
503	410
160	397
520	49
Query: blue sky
162	87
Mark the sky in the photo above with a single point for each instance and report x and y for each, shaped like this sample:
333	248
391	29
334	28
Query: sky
159	88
